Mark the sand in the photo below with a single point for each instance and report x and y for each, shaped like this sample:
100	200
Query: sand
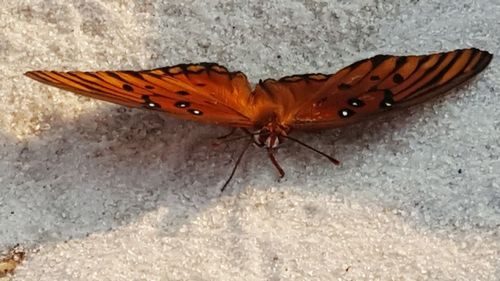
94	191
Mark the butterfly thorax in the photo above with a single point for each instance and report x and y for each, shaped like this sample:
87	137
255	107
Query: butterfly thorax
270	135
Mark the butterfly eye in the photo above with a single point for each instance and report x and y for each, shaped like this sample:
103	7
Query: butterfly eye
355	102
182	104
346	112
195	111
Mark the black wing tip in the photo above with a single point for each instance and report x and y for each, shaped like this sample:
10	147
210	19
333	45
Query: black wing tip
478	50
32	73
35	75
380	57
486	53
486	58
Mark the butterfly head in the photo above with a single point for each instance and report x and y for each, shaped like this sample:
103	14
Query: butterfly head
270	136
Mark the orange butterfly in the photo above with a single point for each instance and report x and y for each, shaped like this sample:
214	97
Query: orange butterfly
208	92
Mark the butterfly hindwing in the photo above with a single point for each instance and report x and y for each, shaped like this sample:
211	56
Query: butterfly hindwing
204	92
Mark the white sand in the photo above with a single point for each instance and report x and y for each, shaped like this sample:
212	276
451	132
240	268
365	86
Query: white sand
98	192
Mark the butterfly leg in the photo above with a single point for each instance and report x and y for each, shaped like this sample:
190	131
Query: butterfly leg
224	139
227	135
275	163
235	166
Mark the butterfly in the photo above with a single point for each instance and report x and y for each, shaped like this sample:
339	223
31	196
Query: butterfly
210	93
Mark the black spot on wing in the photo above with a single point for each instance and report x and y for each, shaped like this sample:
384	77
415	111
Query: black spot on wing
398	78
127	88
400	61
149	104
114	75
182	93
344	86
378	59
388	100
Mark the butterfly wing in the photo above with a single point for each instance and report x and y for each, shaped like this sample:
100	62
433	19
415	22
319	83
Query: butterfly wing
372	86
204	92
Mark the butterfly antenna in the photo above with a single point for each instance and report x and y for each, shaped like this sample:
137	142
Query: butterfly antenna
236	166
333	160
275	163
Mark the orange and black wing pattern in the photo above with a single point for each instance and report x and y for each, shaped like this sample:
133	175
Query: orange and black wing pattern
373	86
205	92
208	92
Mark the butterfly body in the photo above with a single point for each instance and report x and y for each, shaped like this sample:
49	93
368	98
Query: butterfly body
208	92
271	135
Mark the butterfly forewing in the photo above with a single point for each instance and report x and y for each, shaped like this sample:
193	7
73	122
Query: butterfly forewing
372	86
203	92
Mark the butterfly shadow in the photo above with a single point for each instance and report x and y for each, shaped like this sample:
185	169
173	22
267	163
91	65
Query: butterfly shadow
107	168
